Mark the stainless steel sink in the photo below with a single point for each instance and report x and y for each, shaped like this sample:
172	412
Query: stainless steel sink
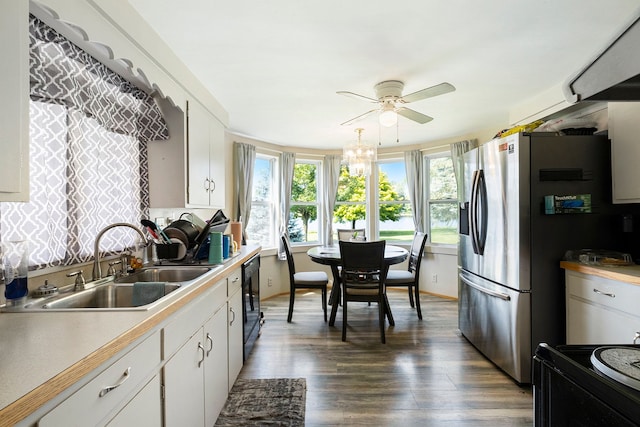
164	274
138	291
110	296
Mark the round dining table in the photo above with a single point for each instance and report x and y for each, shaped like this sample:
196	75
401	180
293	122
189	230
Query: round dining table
330	255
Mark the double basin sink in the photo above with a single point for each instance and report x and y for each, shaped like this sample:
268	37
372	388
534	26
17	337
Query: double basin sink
137	291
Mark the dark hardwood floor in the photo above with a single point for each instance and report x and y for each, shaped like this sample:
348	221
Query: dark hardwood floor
426	374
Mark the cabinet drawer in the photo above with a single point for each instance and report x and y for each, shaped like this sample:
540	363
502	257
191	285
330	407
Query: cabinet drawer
191	318
618	295
234	281
95	400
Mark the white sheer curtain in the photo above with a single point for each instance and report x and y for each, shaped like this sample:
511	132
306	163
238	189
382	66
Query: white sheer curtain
245	158
457	150
331	176
415	182
287	164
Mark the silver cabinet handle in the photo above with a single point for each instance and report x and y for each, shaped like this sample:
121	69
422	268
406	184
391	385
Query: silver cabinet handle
211	190
235	279
210	343
607	294
207	184
201	348
125	376
233	319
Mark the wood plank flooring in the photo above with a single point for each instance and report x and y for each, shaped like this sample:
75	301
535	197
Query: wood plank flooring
427	374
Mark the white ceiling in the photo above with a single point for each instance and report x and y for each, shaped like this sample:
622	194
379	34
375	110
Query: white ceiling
276	65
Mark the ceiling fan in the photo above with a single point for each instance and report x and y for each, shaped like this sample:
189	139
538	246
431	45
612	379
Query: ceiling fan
389	96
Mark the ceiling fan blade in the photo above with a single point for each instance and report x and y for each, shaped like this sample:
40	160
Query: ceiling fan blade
360	117
413	115
355	95
429	92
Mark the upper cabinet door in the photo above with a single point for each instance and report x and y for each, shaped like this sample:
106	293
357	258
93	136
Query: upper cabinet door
198	142
14	109
205	158
624	132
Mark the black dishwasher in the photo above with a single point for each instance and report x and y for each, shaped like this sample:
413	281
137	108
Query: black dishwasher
251	303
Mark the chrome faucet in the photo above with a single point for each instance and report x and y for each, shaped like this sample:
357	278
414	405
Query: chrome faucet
97	271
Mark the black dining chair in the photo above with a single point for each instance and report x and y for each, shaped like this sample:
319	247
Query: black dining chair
410	278
363	278
303	280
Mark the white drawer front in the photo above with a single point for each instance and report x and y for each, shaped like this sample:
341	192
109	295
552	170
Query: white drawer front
108	390
618	295
234	281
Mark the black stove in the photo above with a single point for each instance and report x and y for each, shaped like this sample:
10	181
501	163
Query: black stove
569	391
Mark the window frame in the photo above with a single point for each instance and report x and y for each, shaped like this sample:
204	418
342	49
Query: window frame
366	203
376	196
317	203
429	202
271	203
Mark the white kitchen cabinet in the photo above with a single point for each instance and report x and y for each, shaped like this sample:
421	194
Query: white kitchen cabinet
600	311
188	170
234	318
178	375
215	366
14	109
184	394
115	387
196	375
205	157
624	132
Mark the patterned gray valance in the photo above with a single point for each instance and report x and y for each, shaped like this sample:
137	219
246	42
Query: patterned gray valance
61	72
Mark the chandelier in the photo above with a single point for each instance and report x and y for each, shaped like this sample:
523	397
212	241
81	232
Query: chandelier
359	157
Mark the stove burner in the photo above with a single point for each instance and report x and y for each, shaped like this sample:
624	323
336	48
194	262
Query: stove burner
621	364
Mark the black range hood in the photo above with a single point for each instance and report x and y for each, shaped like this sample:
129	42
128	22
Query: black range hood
613	75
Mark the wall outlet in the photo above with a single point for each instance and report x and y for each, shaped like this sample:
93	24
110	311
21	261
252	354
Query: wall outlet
434	278
269	281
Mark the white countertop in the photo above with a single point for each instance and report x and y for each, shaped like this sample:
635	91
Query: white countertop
43	353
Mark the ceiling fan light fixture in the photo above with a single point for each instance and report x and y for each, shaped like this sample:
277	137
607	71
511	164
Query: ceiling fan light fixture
388	116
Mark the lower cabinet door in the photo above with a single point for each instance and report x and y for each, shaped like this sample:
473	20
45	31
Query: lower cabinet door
184	390
235	336
144	410
215	365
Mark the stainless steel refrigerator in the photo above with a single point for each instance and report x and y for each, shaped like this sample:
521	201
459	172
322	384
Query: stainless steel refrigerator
511	287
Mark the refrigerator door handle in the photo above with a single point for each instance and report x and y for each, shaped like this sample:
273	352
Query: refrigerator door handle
477	212
473	212
482	228
504	297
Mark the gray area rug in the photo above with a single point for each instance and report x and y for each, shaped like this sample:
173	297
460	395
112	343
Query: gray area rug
265	402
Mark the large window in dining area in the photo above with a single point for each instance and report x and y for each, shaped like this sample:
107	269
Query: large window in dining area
262	223
303	224
350	211
356	203
442	205
395	220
